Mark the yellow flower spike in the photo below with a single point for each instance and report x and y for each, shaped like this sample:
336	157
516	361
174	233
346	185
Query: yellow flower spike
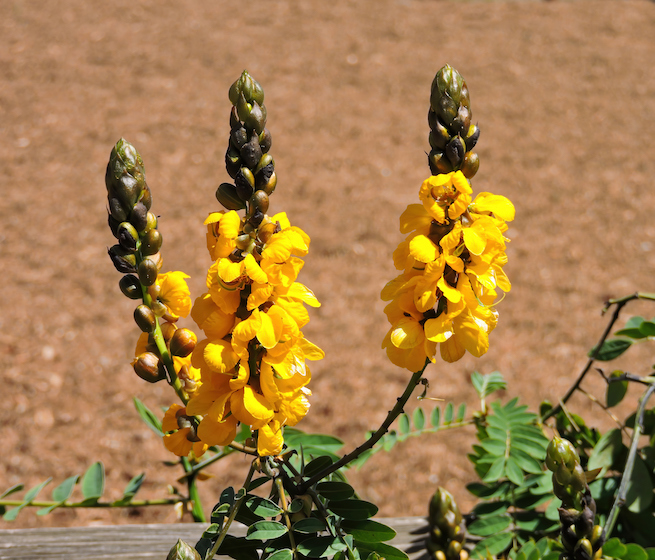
174	293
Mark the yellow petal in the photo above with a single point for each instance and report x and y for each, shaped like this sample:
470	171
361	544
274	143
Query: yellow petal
423	249
451	293
169	422
220	356
174	292
212	432
414	218
210	318
474	243
269	332
470	334
310	350
407	333
452	350
496	204
438	329
461	183
178	443
270	439
303	293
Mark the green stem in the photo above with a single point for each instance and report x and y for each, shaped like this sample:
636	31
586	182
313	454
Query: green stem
396	411
133	503
619	502
620	303
194	495
285	506
233	513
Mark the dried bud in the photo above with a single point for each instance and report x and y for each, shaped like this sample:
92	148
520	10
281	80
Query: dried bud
124	260
182	551
145	318
148	271
472	136
266	230
455	151
239	136
265	140
270	185
244	183
232	161
439	163
227	195
139	216
251	152
130	286
183	342
127	236
149	367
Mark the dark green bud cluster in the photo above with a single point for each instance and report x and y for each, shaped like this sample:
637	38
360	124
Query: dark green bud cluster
247	159
580	536
130	219
452	135
447	534
183	551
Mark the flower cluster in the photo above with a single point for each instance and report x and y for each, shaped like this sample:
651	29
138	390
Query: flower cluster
452	263
252	361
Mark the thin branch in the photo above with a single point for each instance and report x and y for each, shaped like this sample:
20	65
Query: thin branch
619	502
396	411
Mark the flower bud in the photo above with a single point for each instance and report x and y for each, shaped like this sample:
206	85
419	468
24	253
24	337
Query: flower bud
146	197
158	308
255	119
182	551
151	242
472	136
232	161
151	221
462	121
139	216
270	185
239	136
470	165
244	184
183	342
127	189
260	201
117	210
168	330
265	140
227	195
127	236
448	81
455	151
145	318
446	108
247	86
266	231
251	152
561	451
130	286
583	550
439	163
243	241
148	271
124	260
149	367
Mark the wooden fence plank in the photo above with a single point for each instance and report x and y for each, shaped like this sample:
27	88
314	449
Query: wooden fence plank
137	542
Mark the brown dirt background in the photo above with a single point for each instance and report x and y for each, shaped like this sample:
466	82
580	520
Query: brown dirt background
564	93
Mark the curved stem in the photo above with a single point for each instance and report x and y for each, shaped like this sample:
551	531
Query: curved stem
396	411
619	502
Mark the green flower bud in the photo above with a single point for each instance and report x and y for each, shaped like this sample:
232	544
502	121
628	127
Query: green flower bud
182	551
227	195
148	271
448	81
247	86
470	165
596	533
439	163
462	121
439	137
127	236
561	451
149	367
145	318
130	286
183	342
151	242
270	185
151	221
446	108
472	136
124	260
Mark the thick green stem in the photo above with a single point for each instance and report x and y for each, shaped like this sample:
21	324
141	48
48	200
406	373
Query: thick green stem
619	502
396	411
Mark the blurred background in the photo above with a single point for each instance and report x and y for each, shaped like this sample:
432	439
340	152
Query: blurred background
563	92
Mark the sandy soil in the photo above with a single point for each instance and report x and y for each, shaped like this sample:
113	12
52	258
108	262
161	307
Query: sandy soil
564	94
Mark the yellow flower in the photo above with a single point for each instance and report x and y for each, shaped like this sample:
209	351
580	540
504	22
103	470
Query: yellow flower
446	197
222	231
174	293
177	439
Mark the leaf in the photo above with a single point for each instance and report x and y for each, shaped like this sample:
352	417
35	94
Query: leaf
639	495
12	489
403	424
11	514
494	446
133	487
524	461
435	417
238	547
611	349
148	417
461	412
496	470
317	465
386	551
493	545
616	390
532	448
320	547
262	507
606	451
93	483
513	471
265	530
284	554
448	413
484	385
60	494
368	531
647	328
419	418
308	526
357	510
335	490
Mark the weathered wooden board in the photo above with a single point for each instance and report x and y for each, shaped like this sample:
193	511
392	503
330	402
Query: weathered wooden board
136	542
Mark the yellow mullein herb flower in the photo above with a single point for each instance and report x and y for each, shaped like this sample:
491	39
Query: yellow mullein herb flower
222	231
176	438
174	293
446	196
